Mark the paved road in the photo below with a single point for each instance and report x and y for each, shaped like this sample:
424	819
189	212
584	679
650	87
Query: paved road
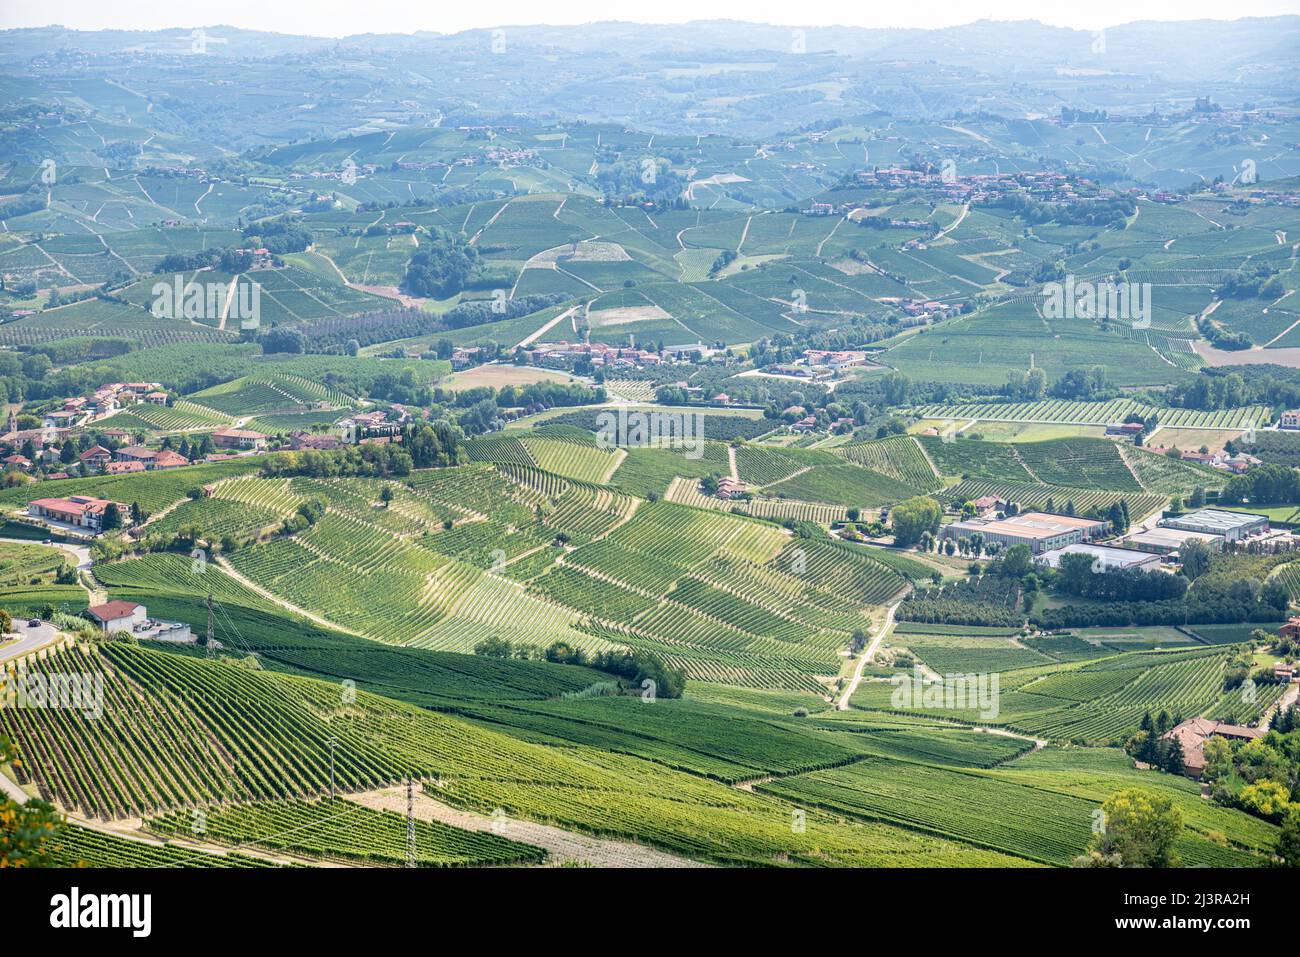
80	552
29	639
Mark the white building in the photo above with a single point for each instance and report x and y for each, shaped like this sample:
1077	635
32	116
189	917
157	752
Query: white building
118	615
1104	557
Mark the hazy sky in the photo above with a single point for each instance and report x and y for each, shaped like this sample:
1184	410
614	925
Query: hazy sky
333	18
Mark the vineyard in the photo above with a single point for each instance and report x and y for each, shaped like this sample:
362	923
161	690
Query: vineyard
686	491
1052	497
899	457
1096	700
1067	412
343	830
79	846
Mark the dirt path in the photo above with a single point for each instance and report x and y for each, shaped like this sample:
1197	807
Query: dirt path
743	235
885	628
562	847
229	569
528	340
731	459
955	223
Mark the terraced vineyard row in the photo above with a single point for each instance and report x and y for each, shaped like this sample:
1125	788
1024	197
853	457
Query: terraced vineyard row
79	846
686	491
343	830
1091	463
898	456
1159	473
1034	496
1068	412
177	731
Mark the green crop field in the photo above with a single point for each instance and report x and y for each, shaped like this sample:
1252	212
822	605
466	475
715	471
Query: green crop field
883	279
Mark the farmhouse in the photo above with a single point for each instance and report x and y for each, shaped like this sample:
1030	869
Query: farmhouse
1194	732
1233	526
167	459
1124	428
80	511
123	468
115	616
238	439
134	453
118	615
1290	419
729	487
1041	531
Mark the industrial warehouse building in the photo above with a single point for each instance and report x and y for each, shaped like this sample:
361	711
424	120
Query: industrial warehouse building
1233	526
1165	541
1041	531
1105	557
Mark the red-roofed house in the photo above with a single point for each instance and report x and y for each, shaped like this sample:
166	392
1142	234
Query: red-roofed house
95	457
81	511
118	615
134	453
168	459
123	468
1194	732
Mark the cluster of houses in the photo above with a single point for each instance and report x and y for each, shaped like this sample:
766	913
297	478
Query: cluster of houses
1236	464
103	402
1043	186
821	363
130	458
564	354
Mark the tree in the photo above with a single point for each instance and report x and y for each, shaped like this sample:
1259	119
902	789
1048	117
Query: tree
1268	799
1275	594
1196	558
1140	828
912	517
1017	561
386	495
1218	759
1174	762
1288	840
27	831
493	647
112	517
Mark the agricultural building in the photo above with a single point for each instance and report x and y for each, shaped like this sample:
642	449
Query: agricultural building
1233	526
1041	531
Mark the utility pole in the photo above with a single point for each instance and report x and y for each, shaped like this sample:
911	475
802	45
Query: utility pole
410	821
209	651
332	742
